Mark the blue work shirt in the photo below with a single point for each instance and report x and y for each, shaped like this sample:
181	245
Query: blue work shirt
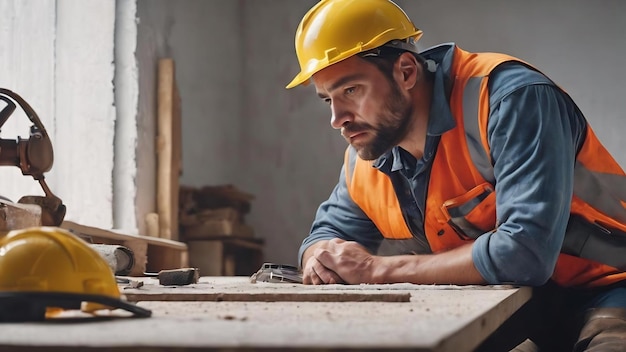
534	132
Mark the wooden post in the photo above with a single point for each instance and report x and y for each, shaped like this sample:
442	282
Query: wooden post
168	150
152	224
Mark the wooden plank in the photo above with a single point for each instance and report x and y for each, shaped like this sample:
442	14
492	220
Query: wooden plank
113	234
240	289
168	149
151	253
15	216
327	296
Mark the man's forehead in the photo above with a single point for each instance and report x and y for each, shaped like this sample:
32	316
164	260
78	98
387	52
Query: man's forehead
349	69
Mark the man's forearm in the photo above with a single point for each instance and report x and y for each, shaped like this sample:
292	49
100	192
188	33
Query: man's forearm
452	267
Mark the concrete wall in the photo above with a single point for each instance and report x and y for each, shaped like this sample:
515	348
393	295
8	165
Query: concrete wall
579	44
208	75
291	157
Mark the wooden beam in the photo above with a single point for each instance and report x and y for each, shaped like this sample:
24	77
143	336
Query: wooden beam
14	216
241	290
151	253
168	150
271	297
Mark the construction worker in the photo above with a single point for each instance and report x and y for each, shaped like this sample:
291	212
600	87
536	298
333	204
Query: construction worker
463	168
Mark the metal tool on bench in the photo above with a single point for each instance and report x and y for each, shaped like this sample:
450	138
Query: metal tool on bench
270	272
176	277
34	157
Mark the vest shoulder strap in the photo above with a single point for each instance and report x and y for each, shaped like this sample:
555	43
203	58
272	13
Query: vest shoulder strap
471	98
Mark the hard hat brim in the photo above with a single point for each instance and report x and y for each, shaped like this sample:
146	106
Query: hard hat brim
37	303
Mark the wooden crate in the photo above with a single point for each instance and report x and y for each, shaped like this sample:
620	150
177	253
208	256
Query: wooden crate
216	228
226	255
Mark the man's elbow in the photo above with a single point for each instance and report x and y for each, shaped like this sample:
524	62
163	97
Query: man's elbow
536	273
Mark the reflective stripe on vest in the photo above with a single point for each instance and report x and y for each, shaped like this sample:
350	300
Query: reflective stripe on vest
479	156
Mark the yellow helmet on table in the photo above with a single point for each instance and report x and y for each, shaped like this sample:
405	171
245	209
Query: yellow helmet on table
334	30
44	270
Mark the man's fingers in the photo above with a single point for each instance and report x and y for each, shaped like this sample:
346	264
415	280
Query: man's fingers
326	258
349	261
315	274
327	276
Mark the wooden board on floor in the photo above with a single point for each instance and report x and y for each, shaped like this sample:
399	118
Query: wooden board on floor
242	290
168	149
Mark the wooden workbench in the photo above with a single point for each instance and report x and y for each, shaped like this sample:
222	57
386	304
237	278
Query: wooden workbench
224	315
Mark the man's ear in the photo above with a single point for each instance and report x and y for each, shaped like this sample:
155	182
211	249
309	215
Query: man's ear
408	68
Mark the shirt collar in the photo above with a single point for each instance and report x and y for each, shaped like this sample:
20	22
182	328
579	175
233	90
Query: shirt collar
440	120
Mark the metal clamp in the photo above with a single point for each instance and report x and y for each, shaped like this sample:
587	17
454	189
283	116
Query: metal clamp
270	272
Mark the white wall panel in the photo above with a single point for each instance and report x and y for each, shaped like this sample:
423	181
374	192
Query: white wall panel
128	212
27	57
85	111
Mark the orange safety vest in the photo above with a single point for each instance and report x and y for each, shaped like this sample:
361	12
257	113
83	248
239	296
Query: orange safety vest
462	173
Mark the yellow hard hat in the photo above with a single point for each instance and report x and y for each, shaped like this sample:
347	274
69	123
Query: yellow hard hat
334	30
44	270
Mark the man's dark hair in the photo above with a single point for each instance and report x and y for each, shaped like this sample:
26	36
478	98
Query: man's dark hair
384	58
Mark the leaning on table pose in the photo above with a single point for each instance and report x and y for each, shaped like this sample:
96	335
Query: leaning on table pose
462	168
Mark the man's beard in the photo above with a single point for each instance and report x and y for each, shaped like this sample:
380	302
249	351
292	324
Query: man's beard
393	124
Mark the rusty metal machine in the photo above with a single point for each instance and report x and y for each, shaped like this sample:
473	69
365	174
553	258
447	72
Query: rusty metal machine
34	157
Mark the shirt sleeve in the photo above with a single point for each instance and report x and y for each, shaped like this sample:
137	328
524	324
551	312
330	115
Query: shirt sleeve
533	134
340	217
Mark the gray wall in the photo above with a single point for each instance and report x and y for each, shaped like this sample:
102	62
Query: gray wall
242	127
291	157
204	39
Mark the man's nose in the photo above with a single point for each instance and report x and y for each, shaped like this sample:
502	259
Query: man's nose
339	116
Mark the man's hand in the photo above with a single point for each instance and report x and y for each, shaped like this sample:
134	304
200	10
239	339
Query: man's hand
337	261
349	260
314	273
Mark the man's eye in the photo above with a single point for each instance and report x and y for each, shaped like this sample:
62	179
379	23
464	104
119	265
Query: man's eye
350	90
327	101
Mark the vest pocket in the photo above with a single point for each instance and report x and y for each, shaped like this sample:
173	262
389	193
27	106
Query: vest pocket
591	240
473	213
